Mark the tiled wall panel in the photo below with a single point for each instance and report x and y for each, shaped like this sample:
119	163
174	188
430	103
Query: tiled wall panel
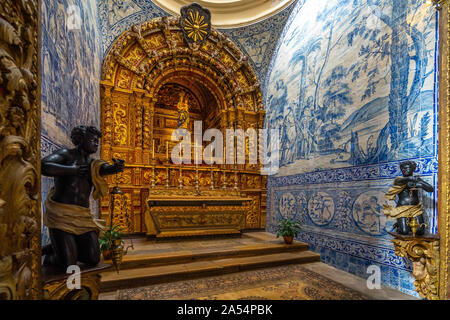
352	89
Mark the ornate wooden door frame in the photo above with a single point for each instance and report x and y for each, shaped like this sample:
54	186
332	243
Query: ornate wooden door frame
20	212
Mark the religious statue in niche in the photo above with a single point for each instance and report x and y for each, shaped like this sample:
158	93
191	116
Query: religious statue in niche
183	111
409	210
73	230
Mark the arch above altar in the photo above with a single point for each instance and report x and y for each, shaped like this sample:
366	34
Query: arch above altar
145	74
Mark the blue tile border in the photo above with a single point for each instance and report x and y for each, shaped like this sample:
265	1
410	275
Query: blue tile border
388	170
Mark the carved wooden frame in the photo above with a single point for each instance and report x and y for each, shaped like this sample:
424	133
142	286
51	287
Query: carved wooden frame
20	108
444	148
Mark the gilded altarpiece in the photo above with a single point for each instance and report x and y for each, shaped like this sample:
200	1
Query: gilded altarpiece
148	73
20	217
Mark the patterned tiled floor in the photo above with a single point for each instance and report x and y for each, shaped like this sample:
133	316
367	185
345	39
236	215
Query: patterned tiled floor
291	282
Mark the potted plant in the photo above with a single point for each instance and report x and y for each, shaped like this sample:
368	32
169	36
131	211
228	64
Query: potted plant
289	229
111	239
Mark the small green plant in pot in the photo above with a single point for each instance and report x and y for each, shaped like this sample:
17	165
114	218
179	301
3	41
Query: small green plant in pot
111	239
288	229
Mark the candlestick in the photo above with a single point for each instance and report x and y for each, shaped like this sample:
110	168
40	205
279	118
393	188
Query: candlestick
197	184
212	177
153	173
197	156
224	186
180	180
167	176
235	154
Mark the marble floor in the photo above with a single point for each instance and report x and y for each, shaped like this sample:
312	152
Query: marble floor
356	285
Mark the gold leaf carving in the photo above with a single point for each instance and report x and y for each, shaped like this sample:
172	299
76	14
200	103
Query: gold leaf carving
19	151
124	79
252	217
121	214
120	124
135	56
424	254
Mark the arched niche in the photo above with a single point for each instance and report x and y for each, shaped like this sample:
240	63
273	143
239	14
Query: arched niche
142	60
139	69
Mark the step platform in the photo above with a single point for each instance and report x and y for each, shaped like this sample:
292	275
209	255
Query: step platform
153	262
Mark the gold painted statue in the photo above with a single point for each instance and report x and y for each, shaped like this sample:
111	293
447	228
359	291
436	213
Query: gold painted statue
183	112
409	210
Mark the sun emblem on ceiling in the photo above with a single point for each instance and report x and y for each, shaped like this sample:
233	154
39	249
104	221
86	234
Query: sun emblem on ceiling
195	26
195	23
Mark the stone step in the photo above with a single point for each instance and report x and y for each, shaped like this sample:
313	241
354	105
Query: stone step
131	278
140	259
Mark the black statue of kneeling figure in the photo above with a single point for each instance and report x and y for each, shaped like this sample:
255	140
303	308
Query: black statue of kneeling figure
408	204
73	230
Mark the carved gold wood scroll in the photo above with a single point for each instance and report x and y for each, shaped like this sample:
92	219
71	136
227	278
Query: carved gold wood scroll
58	290
20	251
424	254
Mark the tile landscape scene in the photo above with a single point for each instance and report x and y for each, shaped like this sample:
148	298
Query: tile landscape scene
352	89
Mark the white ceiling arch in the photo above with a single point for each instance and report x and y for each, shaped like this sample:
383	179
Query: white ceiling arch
230	13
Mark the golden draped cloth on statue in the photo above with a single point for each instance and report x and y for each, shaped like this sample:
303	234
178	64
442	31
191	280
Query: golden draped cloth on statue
76	219
406	211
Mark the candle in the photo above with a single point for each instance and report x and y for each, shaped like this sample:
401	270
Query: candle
196	154
167	150
153	149
224	154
